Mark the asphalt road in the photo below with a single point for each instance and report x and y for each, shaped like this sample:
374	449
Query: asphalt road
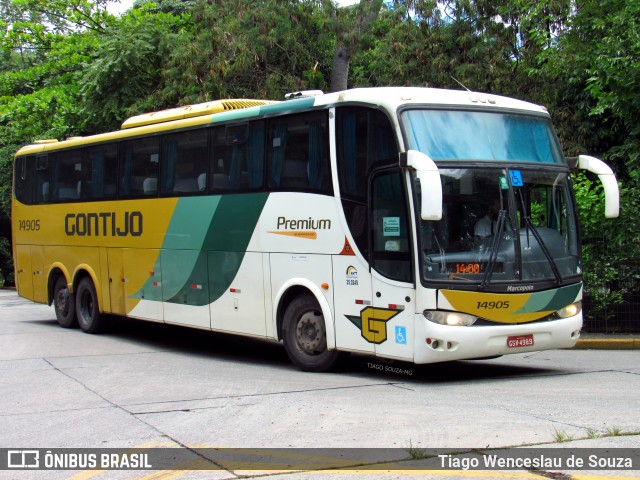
151	385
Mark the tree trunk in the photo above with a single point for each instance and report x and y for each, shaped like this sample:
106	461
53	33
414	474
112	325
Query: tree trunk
349	36
340	68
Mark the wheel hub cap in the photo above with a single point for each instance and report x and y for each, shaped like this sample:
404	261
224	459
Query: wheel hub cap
309	332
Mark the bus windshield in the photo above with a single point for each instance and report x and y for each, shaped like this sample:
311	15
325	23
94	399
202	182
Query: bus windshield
481	135
502	225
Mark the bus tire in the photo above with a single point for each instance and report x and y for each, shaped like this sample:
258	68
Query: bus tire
89	317
64	304
305	337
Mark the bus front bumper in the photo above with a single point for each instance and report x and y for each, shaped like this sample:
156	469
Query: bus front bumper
442	343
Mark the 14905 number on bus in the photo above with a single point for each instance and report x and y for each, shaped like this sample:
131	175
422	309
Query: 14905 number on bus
29	225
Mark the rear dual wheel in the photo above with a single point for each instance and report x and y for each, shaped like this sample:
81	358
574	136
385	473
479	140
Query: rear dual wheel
87	310
64	304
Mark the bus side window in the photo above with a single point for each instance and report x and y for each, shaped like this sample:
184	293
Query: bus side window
237	157
184	159
390	227
24	179
66	176
100	178
42	193
139	167
298	153
365	140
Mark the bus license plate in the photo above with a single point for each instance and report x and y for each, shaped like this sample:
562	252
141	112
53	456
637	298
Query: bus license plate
520	341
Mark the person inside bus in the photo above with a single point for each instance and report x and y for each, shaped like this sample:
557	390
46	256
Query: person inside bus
488	225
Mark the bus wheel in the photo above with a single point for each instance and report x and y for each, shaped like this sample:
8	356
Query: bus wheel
89	317
305	336
64	304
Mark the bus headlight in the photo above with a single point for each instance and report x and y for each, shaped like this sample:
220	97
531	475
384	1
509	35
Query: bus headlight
454	319
570	310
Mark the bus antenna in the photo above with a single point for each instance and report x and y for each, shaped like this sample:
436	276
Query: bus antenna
460	83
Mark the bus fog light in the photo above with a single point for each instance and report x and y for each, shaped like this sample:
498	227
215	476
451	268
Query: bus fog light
454	319
570	310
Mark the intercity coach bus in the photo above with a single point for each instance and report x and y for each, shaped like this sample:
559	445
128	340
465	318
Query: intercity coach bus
415	224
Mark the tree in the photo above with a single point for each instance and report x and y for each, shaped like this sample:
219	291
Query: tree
43	48
440	44
596	88
350	26
125	74
249	49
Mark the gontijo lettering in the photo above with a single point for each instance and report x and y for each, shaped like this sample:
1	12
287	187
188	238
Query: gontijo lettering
103	224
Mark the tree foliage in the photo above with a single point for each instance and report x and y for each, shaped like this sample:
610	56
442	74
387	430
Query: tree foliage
249	49
125	73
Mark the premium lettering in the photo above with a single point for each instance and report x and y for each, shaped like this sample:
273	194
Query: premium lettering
103	224
302	224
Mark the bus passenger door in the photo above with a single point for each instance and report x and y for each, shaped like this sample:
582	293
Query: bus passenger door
390	321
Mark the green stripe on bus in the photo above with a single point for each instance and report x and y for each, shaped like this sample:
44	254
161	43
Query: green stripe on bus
234	221
551	300
204	247
223	250
564	296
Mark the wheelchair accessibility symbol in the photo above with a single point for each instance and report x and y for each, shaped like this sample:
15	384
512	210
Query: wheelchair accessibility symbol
516	178
401	335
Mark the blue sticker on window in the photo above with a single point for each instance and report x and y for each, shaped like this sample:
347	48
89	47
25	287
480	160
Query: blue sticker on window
401	335
516	178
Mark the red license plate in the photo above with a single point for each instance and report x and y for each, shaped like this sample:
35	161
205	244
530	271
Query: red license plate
520	341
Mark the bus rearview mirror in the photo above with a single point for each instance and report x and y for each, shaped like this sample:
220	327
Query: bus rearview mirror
430	183
609	183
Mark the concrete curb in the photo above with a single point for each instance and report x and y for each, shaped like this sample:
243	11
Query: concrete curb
603	343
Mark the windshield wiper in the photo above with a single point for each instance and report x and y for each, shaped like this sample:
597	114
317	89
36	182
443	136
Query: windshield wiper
531	227
502	216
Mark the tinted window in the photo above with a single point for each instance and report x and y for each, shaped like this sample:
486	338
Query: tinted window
298	153
101	176
390	227
23	179
478	135
365	140
139	167
184	162
66	175
43	186
237	160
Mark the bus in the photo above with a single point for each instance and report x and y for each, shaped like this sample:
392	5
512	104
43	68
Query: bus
412	224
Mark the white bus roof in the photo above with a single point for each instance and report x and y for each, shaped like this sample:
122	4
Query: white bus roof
389	98
392	98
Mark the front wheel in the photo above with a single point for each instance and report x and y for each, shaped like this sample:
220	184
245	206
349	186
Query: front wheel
305	336
89	316
64	304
